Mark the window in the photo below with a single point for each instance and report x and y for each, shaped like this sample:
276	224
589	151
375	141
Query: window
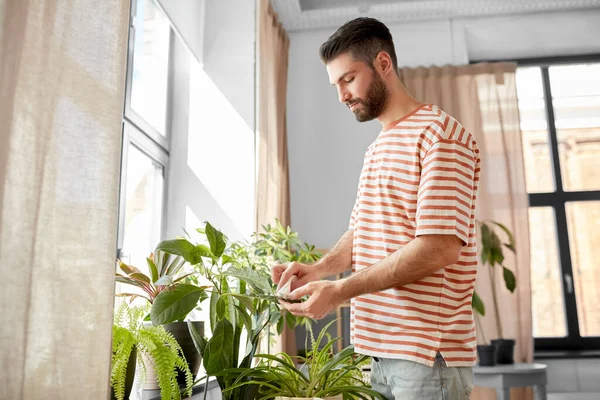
148	70
559	103
145	134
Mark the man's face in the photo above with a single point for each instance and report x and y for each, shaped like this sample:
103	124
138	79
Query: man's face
358	86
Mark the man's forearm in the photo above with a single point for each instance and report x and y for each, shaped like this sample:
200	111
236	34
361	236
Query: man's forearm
338	259
418	259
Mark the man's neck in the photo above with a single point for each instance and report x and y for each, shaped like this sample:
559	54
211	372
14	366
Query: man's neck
400	104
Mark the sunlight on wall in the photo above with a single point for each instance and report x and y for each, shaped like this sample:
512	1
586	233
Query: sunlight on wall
221	149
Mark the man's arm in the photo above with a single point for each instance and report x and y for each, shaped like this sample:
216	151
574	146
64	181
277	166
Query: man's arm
338	259
420	258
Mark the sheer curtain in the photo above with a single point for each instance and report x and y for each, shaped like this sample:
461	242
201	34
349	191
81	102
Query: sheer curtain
483	97
273	194
62	71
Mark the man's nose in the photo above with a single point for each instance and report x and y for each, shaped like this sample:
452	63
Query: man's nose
343	95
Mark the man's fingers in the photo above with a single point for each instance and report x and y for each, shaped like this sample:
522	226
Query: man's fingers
287	274
299	283
277	271
298	309
301	291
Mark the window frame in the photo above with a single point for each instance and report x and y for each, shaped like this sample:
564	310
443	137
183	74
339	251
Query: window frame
132	116
139	133
558	200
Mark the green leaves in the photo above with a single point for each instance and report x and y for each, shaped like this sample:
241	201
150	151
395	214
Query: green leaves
219	348
184	248
477	304
256	280
509	279
215	239
174	304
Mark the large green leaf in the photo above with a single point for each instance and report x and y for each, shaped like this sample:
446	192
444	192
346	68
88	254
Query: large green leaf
477	304
221	308
180	247
215	239
219	348
253	278
174	304
509	279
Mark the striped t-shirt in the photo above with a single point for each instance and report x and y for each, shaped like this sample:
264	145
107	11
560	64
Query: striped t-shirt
419	177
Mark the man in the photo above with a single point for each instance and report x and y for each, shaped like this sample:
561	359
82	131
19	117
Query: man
411	241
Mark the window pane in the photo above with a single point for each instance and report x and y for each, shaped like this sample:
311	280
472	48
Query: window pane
547	295
534	128
583	219
150	65
576	101
143	207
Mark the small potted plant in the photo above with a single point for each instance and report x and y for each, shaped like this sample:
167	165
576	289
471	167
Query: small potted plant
153	347
323	374
499	350
172	296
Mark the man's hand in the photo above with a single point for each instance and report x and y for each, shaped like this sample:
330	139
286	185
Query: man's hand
324	296
305	273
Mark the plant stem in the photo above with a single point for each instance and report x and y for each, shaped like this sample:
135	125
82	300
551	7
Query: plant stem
495	300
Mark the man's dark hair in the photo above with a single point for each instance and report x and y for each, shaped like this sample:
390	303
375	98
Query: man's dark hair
363	38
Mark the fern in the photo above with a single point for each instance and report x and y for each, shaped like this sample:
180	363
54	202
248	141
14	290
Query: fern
123	343
154	345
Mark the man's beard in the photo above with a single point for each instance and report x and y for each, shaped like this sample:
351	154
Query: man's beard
374	102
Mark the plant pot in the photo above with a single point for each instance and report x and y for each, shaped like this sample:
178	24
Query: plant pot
338	397
181	333
129	375
505	352
487	355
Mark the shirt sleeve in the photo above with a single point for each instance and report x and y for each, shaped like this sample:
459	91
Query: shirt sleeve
446	190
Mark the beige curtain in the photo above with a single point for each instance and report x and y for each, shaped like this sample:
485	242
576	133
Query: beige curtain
62	69
483	98
273	194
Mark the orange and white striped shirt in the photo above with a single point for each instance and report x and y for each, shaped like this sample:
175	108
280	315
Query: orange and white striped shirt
420	177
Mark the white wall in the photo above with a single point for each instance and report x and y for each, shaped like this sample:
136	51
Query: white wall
326	144
211	167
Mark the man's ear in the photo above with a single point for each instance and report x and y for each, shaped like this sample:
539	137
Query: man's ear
383	61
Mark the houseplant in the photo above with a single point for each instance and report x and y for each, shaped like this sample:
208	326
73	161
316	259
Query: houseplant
275	244
172	296
242	295
323	375
240	299
500	350
148	344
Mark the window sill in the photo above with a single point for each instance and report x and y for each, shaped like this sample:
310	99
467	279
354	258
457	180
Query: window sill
565	354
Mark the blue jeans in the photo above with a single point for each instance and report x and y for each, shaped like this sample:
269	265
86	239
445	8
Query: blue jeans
408	380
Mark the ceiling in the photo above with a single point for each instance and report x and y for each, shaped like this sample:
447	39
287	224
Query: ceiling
297	15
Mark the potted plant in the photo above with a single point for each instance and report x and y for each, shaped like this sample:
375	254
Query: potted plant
275	244
323	374
152	346
240	305
172	296
242	295
500	350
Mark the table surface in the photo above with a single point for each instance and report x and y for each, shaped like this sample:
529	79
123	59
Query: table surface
517	368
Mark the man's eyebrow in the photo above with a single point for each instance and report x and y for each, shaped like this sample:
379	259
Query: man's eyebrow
343	76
